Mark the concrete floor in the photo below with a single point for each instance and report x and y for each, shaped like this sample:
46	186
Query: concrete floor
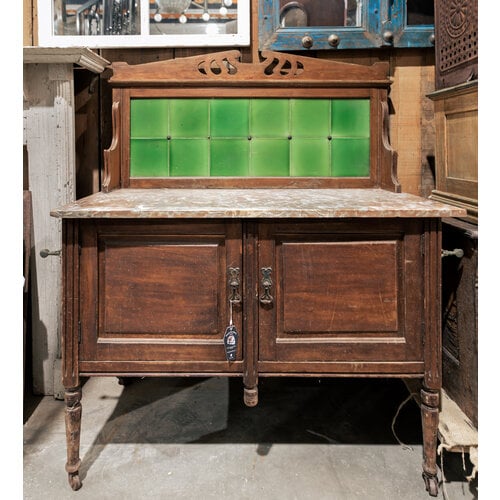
193	438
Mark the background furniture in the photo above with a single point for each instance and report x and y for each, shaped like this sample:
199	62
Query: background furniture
456	114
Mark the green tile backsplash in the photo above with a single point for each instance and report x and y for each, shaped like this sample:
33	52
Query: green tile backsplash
189	157
310	118
229	157
350	157
229	118
257	137
148	118
310	157
350	118
270	158
148	158
270	117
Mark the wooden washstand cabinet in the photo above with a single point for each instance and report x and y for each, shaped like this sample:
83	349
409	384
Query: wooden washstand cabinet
260	197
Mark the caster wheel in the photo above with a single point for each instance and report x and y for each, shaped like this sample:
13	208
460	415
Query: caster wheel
74	481
431	485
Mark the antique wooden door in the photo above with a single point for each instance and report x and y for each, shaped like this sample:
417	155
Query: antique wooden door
344	295
155	295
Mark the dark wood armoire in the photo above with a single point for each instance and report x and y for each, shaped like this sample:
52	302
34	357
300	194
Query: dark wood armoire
456	118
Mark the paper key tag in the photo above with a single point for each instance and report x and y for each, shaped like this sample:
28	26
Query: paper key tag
231	342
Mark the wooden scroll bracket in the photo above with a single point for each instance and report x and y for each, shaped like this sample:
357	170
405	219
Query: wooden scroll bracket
388	177
112	156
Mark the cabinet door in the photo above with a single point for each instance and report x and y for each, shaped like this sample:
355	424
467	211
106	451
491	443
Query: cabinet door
346	297
155	296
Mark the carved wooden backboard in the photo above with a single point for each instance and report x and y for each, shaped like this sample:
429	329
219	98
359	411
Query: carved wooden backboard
214	121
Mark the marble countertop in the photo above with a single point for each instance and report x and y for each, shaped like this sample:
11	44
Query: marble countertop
254	203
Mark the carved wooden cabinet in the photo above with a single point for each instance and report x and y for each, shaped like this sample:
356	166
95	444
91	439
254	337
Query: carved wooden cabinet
322	268
456	42
456	117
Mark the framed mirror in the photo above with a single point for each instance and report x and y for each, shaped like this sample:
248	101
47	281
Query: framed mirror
345	24
143	23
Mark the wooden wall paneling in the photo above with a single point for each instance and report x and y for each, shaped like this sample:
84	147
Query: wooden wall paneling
428	131
87	134
30	23
27	22
406	122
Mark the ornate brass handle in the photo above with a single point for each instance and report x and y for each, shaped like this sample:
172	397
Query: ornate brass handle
234	285
266	282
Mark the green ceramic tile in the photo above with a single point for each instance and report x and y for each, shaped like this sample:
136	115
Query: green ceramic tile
189	157
269	157
310	158
350	117
229	157
189	118
149	118
229	118
351	157
310	117
148	158
269	118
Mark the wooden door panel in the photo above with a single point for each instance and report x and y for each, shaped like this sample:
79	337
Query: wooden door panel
157	292
165	287
340	287
342	291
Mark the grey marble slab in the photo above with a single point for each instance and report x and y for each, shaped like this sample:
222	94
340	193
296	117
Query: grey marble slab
254	203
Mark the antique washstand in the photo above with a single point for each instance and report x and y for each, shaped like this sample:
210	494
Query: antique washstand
251	224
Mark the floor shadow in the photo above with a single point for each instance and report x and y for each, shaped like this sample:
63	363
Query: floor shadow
290	410
30	403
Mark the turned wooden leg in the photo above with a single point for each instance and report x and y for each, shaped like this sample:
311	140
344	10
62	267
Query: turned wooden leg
251	396
430	420
73	420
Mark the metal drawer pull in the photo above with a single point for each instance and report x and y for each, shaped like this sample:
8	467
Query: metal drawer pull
44	253
458	252
267	283
234	285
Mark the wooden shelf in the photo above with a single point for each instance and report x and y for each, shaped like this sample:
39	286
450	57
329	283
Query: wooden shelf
82	56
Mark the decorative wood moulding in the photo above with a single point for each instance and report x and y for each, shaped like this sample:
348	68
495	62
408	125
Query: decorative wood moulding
82	56
226	69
